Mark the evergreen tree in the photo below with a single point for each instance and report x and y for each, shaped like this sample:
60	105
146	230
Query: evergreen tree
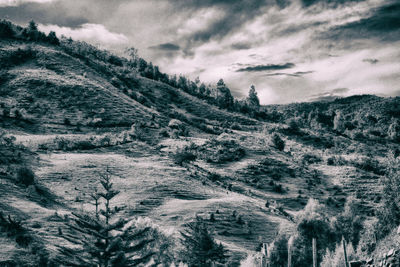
224	97
52	38
252	99
103	241
200	246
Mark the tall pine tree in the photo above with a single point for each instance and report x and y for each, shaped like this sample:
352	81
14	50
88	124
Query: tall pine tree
102	240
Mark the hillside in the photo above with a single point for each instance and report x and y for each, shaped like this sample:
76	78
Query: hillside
173	156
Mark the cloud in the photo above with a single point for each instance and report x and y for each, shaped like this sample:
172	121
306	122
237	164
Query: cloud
371	60
4	3
92	33
43	12
166	47
295	74
329	94
378	23
268	67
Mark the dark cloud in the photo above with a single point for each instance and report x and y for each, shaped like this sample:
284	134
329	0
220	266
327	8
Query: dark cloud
371	60
383	23
269	67
295	74
48	13
234	15
329	95
166	47
333	3
241	46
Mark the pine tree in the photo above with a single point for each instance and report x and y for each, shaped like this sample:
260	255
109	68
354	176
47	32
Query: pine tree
200	246
101	240
252	99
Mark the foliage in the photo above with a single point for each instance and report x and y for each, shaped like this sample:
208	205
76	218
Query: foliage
278	142
183	156
14	228
25	176
389	213
336	258
279	251
104	240
348	224
200	248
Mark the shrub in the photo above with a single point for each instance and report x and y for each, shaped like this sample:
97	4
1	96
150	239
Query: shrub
336	161
279	251
336	258
311	158
370	165
15	229
278	142
25	176
184	155
6	30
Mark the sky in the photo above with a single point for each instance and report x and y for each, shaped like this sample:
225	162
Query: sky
291	50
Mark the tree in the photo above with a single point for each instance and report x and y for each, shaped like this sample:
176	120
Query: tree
389	213
252	99
224	97
52	38
102	240
32	26
199	245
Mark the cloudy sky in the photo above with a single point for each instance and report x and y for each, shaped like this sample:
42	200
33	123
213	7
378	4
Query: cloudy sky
291	50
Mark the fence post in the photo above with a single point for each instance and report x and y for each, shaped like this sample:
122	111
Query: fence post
290	241
314	251
346	263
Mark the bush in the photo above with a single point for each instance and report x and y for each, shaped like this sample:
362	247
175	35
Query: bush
336	258
6	30
183	155
336	161
25	176
311	158
278	142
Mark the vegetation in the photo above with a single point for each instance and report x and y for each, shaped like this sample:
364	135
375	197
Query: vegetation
200	248
104	240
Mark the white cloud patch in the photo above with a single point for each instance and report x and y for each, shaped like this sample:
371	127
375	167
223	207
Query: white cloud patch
4	3
92	33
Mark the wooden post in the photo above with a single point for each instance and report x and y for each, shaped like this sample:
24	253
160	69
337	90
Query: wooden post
346	263
289	252
314	251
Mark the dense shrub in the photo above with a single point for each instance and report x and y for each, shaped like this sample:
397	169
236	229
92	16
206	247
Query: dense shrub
182	156
311	158
220	151
370	165
277	142
336	258
6	29
25	176
336	161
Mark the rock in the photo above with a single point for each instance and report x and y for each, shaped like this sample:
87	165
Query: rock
370	261
390	253
398	230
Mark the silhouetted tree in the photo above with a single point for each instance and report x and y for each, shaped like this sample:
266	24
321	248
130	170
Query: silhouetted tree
52	38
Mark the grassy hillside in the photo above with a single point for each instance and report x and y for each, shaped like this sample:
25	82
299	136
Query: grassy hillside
75	111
